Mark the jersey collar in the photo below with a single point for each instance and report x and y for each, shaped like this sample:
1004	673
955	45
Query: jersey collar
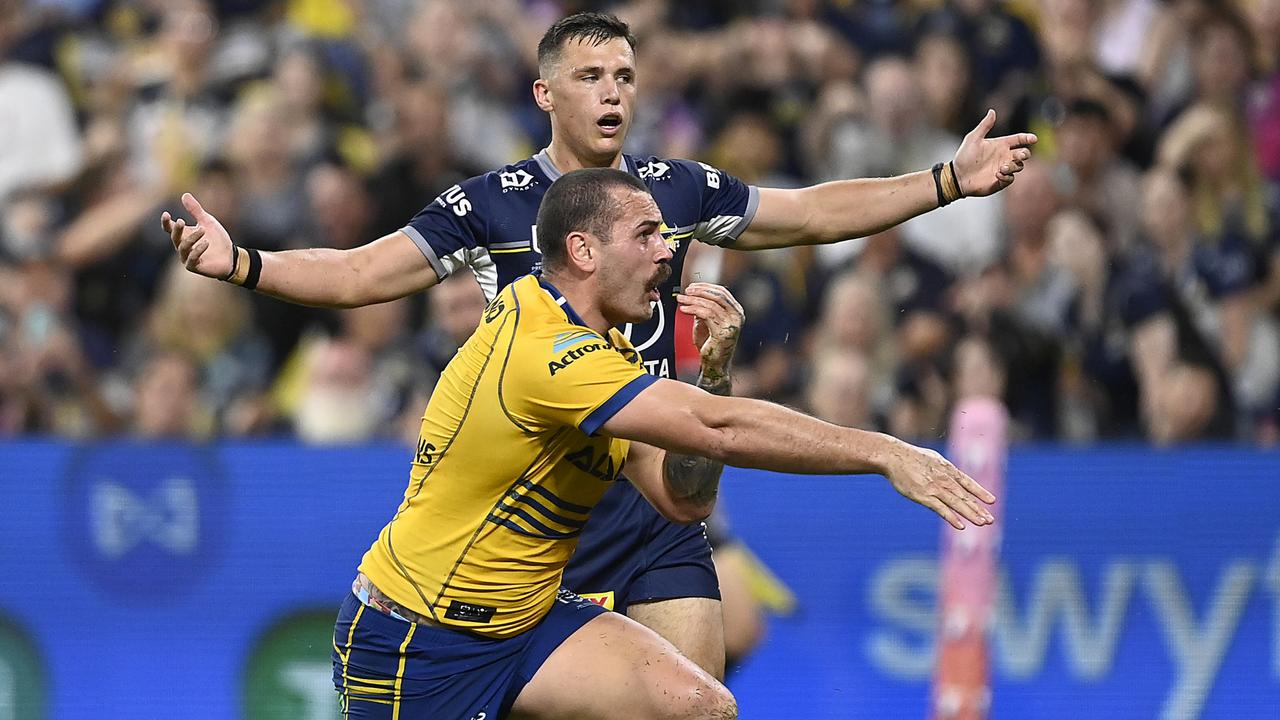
553	173
561	300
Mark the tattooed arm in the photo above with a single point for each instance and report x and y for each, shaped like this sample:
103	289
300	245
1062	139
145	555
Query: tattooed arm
717	325
689	484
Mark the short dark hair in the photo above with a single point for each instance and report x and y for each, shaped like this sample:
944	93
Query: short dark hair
580	201
592	27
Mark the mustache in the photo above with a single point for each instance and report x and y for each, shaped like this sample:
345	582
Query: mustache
663	274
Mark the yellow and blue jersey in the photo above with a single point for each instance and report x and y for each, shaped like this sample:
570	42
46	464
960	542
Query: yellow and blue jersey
508	465
488	223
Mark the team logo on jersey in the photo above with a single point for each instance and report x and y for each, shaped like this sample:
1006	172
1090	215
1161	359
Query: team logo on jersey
495	309
655	169
516	180
672	236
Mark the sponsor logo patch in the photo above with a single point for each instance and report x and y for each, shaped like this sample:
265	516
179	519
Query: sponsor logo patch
467	612
517	180
573	354
604	599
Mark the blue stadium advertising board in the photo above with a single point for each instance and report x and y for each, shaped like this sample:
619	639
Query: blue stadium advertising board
200	582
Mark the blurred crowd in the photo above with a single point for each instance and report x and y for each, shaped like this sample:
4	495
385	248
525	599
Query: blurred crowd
1126	286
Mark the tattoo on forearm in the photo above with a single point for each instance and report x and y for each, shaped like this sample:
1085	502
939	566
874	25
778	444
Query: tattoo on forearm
691	477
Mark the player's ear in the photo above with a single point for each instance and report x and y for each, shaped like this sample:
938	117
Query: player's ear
581	254
542	95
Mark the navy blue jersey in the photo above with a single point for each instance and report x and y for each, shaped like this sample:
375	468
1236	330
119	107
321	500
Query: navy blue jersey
488	223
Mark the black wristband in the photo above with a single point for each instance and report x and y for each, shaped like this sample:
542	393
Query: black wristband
235	262
937	184
956	176
255	269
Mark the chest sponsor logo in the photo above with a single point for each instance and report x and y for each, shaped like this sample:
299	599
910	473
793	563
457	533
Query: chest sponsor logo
655	169
515	180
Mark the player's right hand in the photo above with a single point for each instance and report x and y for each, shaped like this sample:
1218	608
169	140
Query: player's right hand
923	475
205	247
717	322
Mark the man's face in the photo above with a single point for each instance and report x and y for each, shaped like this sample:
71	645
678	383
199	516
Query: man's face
634	261
592	95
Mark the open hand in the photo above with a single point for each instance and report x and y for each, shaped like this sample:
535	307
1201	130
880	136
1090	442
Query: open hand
924	476
987	165
204	248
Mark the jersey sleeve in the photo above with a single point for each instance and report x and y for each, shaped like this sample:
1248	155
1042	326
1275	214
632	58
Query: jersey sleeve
574	377
451	231
727	205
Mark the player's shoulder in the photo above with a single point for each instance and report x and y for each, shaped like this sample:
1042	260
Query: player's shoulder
679	174
491	187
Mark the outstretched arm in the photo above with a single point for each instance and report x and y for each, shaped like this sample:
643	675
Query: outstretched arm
845	209
684	487
390	267
752	433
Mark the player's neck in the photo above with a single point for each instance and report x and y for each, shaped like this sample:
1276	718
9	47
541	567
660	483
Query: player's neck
580	295
566	160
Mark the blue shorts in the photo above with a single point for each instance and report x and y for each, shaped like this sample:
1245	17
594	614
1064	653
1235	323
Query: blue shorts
628	553
384	667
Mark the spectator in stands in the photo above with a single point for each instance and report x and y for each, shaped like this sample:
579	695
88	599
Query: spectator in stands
1090	174
304	128
166	400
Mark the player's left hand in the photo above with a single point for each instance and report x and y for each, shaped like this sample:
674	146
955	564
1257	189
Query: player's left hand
717	322
924	476
987	165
